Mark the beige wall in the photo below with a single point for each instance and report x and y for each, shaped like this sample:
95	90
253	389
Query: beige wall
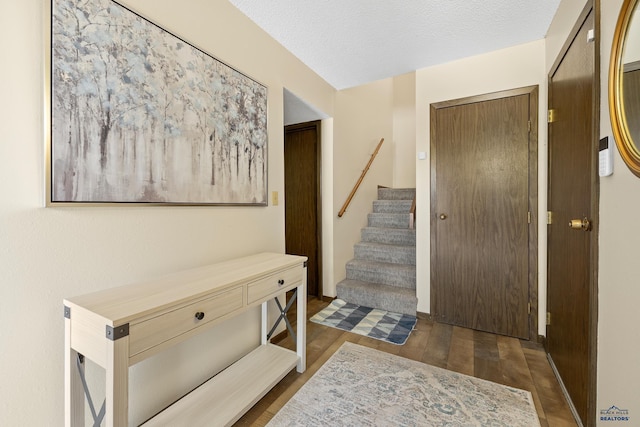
404	130
619	292
515	67
363	115
329	211
47	254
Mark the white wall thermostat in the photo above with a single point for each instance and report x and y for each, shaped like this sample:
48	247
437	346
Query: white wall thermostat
605	157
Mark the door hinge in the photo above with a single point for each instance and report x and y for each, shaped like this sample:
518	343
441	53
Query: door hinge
529	308
549	217
548	318
529	125
551	116
529	217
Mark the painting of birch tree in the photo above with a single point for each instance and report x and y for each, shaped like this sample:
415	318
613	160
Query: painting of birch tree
139	115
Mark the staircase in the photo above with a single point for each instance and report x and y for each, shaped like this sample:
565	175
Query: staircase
383	272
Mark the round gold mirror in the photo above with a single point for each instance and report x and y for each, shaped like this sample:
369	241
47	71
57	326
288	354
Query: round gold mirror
624	85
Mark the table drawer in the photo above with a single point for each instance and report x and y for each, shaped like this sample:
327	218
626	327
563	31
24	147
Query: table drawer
273	283
151	332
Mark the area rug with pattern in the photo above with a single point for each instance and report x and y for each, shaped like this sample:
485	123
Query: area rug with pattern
371	322
360	386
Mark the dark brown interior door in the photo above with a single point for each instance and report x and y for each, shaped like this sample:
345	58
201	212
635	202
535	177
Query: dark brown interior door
480	222
572	194
302	198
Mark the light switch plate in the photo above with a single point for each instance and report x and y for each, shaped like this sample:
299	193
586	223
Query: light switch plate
274	198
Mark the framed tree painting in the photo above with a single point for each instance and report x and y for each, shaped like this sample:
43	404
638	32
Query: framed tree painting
138	115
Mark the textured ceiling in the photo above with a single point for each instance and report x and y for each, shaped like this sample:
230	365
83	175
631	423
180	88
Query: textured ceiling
352	42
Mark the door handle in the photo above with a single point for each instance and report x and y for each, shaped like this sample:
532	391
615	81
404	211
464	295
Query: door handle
580	224
443	216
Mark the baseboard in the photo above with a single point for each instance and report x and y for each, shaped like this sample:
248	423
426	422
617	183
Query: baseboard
564	391
542	340
424	316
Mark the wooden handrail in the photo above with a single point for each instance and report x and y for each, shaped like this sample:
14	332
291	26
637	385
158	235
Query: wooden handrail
355	187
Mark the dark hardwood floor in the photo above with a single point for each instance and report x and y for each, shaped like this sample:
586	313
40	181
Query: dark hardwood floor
501	359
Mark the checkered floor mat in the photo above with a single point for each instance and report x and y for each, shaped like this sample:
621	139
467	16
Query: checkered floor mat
371	322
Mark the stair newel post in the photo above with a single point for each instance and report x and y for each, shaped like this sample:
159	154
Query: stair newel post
412	214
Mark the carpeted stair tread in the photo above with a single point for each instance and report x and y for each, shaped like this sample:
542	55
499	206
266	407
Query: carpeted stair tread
392	206
400	275
384	297
384	252
394	236
396	193
388	220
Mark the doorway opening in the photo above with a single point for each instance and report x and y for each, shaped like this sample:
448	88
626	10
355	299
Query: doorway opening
303	209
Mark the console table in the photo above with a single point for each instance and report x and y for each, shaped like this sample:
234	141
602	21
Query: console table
119	327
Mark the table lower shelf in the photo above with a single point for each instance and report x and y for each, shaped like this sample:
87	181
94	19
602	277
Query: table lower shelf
223	399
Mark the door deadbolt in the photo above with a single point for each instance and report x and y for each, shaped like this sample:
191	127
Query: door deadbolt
580	224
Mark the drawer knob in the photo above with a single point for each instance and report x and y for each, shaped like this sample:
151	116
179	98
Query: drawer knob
281	282
199	315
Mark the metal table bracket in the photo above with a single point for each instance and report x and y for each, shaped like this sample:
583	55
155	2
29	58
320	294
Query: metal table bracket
283	315
97	418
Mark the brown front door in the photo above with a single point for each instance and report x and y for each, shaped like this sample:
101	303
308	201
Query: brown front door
302	198
572	195
483	156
